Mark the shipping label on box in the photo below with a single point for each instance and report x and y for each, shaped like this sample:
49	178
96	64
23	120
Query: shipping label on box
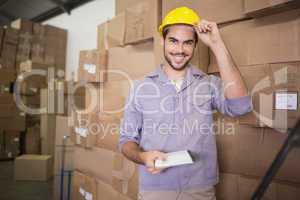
274	89
92	66
286	101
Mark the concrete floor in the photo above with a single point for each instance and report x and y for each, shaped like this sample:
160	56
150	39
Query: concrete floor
21	190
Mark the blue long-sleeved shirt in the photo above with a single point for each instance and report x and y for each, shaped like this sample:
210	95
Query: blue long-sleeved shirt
157	117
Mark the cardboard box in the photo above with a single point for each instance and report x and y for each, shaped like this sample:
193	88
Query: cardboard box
106	98
131	62
16	122
33	167
88	187
23	25
121	5
48	124
250	151
106	191
238	187
37	49
84	186
264	40
12	143
111	33
63	130
68	153
32	120
219	11
63	98
92	66
32	101
9	110
24	47
125	176
228	188
142	20
7	75
5	88
273	141
30	84
10	36
92	160
27	68
39	29
259	8
108	131
276	190
82	134
33	140
227	139
55	46
8	54
268	84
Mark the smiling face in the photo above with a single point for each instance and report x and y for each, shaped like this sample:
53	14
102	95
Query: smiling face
179	44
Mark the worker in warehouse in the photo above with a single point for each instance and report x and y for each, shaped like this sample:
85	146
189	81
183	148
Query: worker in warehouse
171	110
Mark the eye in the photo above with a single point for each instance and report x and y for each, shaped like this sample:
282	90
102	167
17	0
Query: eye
190	42
172	41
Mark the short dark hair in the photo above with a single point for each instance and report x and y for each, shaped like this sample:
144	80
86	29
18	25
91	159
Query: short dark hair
167	29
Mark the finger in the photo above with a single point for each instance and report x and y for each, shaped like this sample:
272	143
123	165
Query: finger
198	28
150	164
157	171
151	169
204	27
208	27
161	156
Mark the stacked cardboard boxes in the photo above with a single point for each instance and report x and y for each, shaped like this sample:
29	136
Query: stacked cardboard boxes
267	57
25	69
128	54
12	120
263	47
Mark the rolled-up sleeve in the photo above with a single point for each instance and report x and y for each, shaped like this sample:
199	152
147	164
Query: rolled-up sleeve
132	122
231	107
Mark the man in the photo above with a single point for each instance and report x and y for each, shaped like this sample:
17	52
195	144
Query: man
171	110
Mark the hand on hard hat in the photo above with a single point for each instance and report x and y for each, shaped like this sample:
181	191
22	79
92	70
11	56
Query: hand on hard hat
208	32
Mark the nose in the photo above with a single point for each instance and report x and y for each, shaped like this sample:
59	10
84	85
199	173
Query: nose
180	48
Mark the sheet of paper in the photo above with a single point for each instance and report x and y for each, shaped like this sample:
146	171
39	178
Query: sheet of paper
175	159
286	101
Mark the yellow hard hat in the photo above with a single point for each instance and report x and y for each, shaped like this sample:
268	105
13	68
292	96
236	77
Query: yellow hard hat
181	15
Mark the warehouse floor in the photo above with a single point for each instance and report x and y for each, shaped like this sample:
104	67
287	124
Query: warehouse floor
21	190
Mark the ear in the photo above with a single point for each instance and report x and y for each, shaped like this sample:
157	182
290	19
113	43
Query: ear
162	41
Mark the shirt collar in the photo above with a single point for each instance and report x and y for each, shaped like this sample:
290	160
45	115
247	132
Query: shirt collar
191	73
